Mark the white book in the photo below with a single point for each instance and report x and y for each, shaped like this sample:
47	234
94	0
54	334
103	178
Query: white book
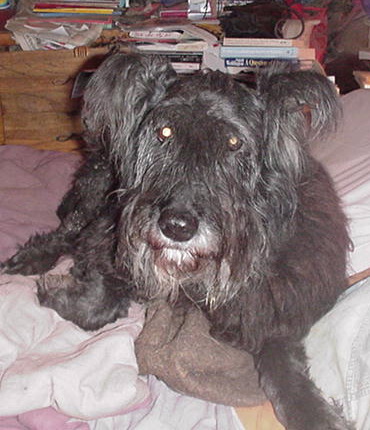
249	41
258	52
364	54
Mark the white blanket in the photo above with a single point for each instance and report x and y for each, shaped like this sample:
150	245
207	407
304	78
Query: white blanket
47	361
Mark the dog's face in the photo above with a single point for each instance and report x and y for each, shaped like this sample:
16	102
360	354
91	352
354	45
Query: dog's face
195	173
209	179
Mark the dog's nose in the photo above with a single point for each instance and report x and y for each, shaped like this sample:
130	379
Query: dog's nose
178	225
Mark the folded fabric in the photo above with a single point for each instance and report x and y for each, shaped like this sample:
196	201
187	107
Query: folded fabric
47	361
338	347
178	348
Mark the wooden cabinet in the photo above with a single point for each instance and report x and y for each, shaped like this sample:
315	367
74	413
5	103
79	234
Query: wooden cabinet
35	97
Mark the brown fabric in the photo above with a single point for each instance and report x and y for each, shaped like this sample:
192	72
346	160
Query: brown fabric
176	346
178	349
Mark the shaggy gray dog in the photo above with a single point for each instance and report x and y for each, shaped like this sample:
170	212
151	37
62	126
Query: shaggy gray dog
202	191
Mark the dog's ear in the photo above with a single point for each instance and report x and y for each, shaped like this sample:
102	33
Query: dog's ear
299	107
119	94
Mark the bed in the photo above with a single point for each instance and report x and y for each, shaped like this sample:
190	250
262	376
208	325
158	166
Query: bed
54	375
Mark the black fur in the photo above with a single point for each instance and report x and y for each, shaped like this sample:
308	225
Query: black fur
202	191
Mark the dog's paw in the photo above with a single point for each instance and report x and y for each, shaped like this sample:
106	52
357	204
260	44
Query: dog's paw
27	263
88	304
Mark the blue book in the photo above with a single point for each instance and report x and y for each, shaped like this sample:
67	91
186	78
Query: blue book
254	62
268	52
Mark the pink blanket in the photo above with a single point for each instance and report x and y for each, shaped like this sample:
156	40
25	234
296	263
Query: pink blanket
31	186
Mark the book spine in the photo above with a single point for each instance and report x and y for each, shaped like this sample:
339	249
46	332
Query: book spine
97	19
45	6
75	11
176	57
253	63
197	46
238	41
364	54
173	14
185	66
307	53
141	34
258	52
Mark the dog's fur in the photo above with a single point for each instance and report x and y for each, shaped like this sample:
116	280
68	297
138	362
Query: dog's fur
202	191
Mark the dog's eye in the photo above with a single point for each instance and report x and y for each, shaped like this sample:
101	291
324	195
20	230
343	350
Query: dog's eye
234	143
164	133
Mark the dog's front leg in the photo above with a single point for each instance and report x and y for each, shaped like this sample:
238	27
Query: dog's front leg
38	254
297	402
90	301
93	293
80	206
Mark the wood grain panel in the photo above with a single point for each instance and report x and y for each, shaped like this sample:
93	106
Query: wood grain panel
35	88
39	98
52	130
27	64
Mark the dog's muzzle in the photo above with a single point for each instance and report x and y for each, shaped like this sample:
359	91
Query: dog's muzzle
179	226
179	240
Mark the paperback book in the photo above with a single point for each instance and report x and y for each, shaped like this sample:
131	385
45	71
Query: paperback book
267	52
264	42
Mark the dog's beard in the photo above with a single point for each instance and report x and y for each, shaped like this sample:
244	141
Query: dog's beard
161	267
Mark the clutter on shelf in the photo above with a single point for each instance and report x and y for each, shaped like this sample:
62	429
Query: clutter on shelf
230	35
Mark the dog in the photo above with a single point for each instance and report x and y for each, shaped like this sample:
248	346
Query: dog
202	191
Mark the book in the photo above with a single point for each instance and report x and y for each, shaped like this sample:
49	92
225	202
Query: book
155	34
173	14
93	19
185	61
53	6
183	67
198	45
182	57
83	3
362	78
177	10
185	57
59	11
252	63
306	54
268	52
364	54
249	41
79	11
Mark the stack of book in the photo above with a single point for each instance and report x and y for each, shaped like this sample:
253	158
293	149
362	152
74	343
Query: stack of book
183	45
249	54
194	10
174	11
80	11
362	78
364	54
